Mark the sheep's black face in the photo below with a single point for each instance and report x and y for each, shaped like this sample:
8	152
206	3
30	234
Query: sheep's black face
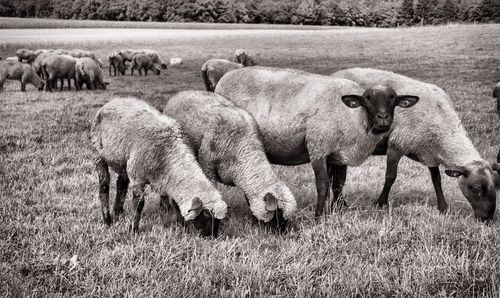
206	224
477	183
164	65
41	85
379	103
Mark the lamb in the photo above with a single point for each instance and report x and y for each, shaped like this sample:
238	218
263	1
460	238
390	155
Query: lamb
89	72
14	70
226	141
127	55
213	70
241	57
144	147
59	66
305	117
25	54
143	61
432	134
116	61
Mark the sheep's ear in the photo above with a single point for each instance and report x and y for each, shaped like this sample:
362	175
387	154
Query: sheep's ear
460	171
196	206
271	202
353	101
406	101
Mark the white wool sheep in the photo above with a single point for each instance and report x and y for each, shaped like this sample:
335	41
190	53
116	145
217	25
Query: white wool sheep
87	71
11	59
143	62
58	66
128	54
213	70
305	117
145	147
175	61
25	54
226	140
116	61
432	134
14	70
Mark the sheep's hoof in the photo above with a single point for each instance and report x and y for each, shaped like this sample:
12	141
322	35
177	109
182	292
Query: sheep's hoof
443	208
107	219
380	204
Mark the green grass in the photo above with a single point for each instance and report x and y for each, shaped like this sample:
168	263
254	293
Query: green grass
53	241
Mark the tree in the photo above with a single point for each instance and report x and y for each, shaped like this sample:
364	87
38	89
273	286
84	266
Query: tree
489	10
306	12
406	12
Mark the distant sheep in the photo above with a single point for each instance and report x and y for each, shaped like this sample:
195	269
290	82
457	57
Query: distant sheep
226	141
25	54
241	57
144	147
77	53
306	117
432	134
116	61
87	71
143	61
59	67
14	70
175	61
11	59
128	54
213	70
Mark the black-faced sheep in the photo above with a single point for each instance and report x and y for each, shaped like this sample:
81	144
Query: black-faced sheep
14	70
432	134
305	117
143	61
226	141
213	70
116	61
59	66
241	57
144	147
88	72
127	55
25	54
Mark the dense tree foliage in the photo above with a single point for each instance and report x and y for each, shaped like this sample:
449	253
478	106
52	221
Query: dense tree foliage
388	13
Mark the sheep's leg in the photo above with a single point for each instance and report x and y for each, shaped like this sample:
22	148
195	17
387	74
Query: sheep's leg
138	205
337	175
24	79
62	83
436	181
121	193
103	173
145	71
139	70
393	158
321	175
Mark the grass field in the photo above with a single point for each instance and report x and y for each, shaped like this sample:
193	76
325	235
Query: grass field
53	241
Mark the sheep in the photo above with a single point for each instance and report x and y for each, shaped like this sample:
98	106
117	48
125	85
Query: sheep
89	72
306	117
25	54
116	61
213	70
175	61
77	53
13	58
143	61
241	57
127	55
15	70
144	147
226	141
59	66
432	134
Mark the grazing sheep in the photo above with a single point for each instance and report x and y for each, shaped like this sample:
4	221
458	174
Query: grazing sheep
213	70
62	52
227	143
11	59
15	70
116	61
175	61
89	72
241	57
432	134
143	61
77	53
144	147
127	55
25	54
59	66
305	117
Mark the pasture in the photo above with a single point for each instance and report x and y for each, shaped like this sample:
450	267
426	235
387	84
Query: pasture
53	241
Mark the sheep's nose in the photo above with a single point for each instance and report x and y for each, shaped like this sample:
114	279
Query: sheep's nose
383	116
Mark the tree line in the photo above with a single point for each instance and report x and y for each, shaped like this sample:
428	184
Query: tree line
388	13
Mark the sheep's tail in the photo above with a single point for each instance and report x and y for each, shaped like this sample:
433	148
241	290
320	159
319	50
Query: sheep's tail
206	80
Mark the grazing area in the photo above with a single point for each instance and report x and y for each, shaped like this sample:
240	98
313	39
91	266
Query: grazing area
54	242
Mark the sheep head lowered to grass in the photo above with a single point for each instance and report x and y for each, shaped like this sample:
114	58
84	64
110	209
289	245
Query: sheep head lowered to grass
305	117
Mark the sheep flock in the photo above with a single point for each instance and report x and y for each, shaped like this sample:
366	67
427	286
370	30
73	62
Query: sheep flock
251	117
